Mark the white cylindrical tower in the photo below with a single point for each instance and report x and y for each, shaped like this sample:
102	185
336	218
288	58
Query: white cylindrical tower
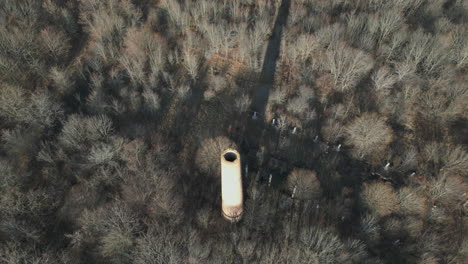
231	185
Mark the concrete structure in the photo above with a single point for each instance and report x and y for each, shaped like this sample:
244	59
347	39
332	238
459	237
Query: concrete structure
231	185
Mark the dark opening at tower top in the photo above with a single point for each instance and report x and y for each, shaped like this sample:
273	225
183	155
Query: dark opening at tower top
230	156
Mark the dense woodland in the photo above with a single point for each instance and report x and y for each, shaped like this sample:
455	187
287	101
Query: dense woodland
350	117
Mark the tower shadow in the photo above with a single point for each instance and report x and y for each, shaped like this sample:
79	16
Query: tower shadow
267	75
255	127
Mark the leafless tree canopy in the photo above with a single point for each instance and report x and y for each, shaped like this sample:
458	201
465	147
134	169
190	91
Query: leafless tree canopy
303	184
369	134
380	198
208	154
350	117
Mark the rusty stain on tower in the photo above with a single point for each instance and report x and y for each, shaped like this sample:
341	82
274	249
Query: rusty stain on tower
231	185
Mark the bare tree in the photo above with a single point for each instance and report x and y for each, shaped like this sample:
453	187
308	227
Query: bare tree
191	62
303	184
159	245
331	34
347	66
61	80
208	154
456	160
277	97
393	48
117	245
55	42
105	154
408	6
246	248
448	190
198	250
370	227
323	243
383	24
151	100
243	103
300	49
357	31
219	37
383	80
414	226
380	198
297	105
417	48
369	135
332	130
437	57
80	131
413	202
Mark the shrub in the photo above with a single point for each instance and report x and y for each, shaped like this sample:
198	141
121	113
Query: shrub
304	184
369	136
380	198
